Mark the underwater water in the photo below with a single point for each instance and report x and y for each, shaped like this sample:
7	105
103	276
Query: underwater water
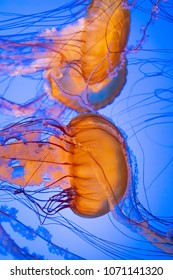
142	112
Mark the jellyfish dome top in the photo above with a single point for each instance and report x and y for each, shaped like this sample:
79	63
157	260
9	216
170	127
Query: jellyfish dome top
103	166
88	160
84	62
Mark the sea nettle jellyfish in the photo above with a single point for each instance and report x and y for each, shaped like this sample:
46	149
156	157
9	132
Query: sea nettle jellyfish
88	160
84	62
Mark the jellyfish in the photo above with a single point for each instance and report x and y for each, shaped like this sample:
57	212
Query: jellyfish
143	111
95	177
83	63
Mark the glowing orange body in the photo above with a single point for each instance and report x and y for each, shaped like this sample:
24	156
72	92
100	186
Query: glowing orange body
88	53
96	172
84	62
100	169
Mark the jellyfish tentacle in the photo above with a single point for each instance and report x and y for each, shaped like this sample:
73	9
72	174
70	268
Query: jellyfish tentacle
9	246
34	158
12	248
11	108
39	106
142	227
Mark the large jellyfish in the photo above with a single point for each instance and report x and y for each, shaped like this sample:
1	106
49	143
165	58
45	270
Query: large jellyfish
84	61
94	177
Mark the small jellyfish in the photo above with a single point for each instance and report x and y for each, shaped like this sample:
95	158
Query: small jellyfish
84	62
95	177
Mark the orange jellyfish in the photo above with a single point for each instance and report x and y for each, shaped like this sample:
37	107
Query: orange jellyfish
84	63
68	158
88	159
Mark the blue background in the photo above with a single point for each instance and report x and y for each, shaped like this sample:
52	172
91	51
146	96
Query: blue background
143	111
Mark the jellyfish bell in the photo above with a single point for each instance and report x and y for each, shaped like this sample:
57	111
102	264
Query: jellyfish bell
100	170
104	34
83	63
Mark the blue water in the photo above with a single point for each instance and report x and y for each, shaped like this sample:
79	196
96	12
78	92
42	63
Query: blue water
143	111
